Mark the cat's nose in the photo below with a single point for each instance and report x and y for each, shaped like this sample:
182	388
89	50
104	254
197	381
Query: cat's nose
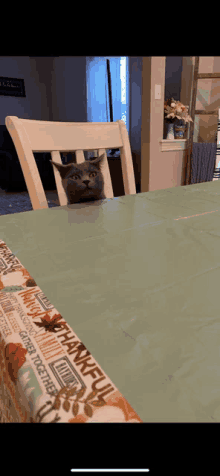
86	182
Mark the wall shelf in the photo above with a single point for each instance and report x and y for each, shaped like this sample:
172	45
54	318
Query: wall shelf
176	144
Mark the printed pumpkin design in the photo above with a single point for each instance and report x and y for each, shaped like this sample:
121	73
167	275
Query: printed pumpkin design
15	358
14	280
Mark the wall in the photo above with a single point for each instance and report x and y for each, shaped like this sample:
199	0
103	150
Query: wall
135	89
173	70
173	80
168	171
69	89
34	73
55	88
159	170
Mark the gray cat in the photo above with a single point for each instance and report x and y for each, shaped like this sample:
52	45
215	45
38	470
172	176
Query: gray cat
82	182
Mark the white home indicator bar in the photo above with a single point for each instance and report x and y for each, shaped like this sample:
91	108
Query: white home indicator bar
110	470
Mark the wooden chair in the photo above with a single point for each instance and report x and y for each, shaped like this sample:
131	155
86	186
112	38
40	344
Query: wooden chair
43	136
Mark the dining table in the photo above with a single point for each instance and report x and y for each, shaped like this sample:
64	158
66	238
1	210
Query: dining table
109	310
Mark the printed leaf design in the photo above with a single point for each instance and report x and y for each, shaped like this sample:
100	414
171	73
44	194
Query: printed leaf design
88	410
57	403
80	393
91	395
30	283
71	392
66	405
63	390
99	403
15	358
40	415
12	289
50	324
75	409
57	418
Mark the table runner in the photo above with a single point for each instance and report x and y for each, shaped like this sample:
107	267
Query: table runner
46	373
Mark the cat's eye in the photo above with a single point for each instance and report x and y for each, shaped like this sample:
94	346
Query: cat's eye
92	174
75	176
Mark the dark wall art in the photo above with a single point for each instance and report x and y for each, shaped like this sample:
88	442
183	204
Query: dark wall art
12	87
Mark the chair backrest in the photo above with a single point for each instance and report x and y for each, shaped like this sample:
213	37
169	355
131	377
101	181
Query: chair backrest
43	136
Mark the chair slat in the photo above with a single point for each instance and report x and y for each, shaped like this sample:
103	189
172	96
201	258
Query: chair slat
28	165
56	157
126	161
80	158
108	190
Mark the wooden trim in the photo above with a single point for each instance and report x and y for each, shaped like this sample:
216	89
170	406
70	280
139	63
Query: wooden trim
176	144
207	113
208	75
192	114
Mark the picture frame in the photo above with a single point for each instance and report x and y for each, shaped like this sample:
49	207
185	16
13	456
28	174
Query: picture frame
12	87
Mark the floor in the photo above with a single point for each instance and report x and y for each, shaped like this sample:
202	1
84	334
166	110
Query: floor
17	202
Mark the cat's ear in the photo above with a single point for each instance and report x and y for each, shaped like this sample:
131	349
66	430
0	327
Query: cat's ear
63	169
98	160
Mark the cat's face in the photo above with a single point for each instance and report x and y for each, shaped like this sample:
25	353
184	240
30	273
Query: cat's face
82	182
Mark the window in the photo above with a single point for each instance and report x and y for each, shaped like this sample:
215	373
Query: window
98	109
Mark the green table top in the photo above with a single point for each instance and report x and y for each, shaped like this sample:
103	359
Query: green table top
137	278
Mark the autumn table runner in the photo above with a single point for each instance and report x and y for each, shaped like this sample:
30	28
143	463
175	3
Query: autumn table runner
46	372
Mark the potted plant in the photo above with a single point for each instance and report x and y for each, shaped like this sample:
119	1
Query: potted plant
176	117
